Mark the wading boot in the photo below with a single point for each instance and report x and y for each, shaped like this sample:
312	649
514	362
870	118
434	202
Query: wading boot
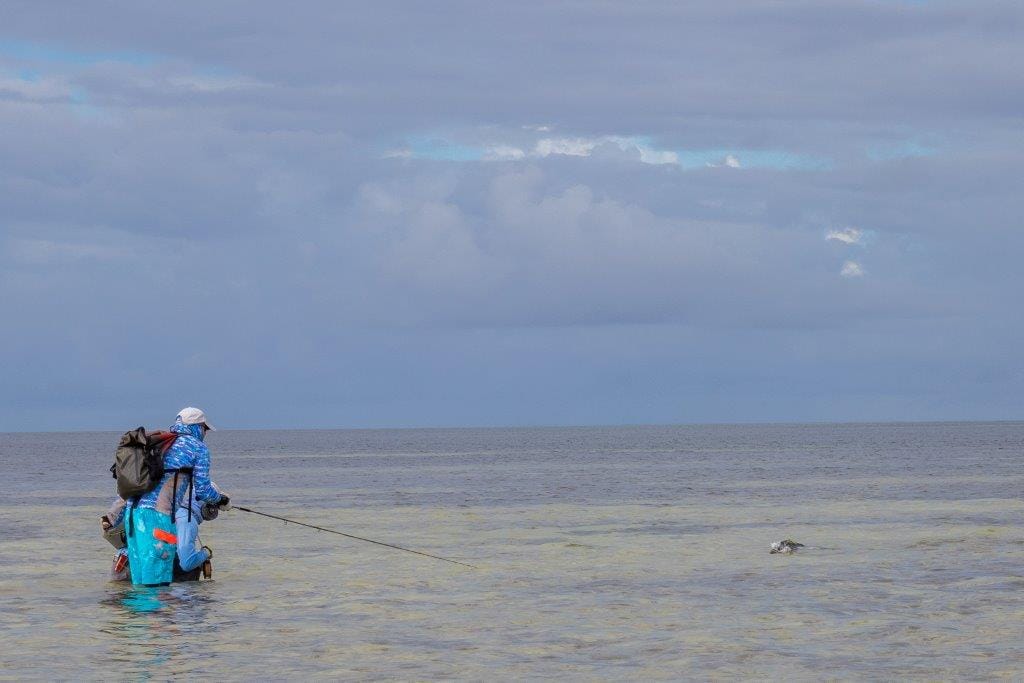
208	565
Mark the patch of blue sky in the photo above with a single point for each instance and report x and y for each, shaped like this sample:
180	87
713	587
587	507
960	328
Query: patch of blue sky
440	149
752	158
84	110
41	52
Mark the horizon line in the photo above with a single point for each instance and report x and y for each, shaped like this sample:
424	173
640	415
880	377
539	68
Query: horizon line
781	423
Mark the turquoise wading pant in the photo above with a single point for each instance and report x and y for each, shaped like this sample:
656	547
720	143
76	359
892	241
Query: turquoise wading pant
151	545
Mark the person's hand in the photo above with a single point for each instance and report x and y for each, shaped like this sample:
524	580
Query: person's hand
105	523
225	502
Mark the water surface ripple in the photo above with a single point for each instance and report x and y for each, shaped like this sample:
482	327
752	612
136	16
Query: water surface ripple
604	553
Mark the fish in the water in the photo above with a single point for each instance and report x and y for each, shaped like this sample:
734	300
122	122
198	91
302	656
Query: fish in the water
786	547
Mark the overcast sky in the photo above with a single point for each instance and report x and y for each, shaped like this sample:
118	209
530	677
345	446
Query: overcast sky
323	214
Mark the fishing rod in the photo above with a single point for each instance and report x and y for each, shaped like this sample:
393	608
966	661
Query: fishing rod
358	538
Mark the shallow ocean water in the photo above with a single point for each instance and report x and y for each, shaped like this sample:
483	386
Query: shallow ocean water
603	553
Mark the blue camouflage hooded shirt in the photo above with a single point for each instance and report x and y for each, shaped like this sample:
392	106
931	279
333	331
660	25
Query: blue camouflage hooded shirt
188	451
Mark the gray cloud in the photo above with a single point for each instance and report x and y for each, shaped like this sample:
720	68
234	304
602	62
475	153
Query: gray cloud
215	181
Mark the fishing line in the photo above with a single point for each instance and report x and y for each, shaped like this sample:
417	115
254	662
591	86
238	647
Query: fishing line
358	538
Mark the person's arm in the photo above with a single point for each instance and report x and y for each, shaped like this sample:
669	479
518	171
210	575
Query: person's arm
112	524
115	515
204	487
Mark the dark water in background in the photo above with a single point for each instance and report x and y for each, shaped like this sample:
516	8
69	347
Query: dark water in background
628	552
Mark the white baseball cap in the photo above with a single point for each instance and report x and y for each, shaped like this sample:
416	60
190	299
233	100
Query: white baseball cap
194	416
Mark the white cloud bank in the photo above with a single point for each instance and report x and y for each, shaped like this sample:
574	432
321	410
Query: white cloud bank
846	235
584	147
852	269
472	146
730	161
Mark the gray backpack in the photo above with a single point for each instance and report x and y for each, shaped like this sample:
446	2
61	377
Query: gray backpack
139	461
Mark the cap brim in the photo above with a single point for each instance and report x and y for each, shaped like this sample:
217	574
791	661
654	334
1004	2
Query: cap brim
210	426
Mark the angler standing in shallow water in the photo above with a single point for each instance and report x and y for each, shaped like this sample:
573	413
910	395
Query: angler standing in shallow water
150	518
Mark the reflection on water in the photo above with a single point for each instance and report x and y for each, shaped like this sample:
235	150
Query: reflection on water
637	553
170	600
146	628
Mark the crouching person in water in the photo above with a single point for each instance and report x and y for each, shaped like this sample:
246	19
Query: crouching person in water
150	519
112	525
192	557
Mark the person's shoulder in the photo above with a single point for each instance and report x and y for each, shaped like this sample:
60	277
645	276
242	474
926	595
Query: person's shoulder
191	443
